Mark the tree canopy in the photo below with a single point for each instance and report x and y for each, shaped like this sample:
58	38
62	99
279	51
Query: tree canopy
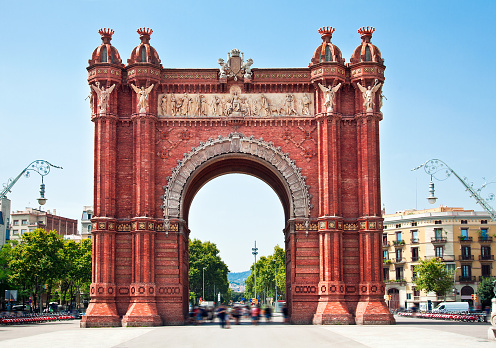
432	275
206	254
485	291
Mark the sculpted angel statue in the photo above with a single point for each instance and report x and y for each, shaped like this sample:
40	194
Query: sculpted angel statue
247	67
330	94
223	68
143	96
103	96
368	95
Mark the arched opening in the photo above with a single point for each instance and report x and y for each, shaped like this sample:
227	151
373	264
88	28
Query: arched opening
233	201
466	295
104	54
143	54
232	211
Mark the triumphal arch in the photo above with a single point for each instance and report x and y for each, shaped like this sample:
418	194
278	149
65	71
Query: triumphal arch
312	134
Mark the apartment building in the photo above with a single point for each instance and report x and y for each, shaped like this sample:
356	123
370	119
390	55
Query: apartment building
462	239
31	219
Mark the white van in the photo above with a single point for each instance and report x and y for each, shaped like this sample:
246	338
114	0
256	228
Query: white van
451	307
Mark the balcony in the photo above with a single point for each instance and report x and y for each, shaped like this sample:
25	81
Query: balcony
486	257
465	257
438	240
399	260
415	258
385	244
485	239
465	239
398	243
465	279
414	240
395	281
386	262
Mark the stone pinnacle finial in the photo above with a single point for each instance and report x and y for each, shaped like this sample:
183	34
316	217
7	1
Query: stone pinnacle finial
106	34
144	34
366	33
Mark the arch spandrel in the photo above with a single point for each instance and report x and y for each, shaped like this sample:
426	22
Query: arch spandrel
270	155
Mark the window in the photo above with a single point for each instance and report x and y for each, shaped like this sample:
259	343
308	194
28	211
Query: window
15	231
463	222
398	236
464	233
484	222
143	54
415	236
466	272
328	56
408	296
450	267
399	254
416	292
414	274
466	253
368	55
15	222
23	231
85	215
438	222
89	216
484	233
24	222
486	270
485	253
385	254
415	254
438	232
385	273
399	273
89	228
414	224
104	54
439	251
384	239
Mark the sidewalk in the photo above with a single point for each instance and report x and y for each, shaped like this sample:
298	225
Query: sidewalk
408	332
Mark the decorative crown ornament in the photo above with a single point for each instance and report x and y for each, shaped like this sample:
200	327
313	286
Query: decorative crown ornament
235	52
106	32
144	31
326	32
366	32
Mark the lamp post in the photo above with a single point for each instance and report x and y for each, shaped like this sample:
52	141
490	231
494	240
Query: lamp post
436	166
203	286
454	280
42	167
254	251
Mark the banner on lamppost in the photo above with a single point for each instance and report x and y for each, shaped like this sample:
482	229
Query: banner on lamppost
11	295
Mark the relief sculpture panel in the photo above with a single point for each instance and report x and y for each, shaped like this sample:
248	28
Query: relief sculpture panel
236	104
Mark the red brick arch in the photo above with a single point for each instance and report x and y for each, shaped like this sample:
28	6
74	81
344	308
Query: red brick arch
321	157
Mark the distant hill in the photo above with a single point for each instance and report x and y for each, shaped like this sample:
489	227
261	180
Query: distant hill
238	277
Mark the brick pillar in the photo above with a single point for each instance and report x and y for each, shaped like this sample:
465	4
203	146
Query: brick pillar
331	307
371	308
143	308
102	310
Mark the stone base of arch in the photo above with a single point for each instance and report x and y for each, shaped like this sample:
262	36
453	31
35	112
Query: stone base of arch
142	314
332	312
103	314
373	312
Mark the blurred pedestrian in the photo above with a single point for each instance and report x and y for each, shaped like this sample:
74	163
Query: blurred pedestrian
268	313
221	314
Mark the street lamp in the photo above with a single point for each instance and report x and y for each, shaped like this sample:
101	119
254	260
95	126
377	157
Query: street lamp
454	280
443	171
203	286
254	251
42	167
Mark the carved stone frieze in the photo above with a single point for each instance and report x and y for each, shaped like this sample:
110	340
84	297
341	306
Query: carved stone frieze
236	104
237	143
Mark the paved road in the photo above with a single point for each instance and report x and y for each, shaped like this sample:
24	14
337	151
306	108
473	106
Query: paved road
408	332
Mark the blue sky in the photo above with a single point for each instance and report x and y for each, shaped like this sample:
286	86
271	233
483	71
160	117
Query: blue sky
439	86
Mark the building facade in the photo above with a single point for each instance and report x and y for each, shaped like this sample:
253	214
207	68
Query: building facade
310	133
465	240
30	219
86	221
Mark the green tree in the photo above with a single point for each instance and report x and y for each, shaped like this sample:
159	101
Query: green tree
37	261
206	254
432	275
77	269
5	257
485	291
267	278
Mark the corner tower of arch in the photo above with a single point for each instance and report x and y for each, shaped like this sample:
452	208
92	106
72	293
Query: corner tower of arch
312	134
